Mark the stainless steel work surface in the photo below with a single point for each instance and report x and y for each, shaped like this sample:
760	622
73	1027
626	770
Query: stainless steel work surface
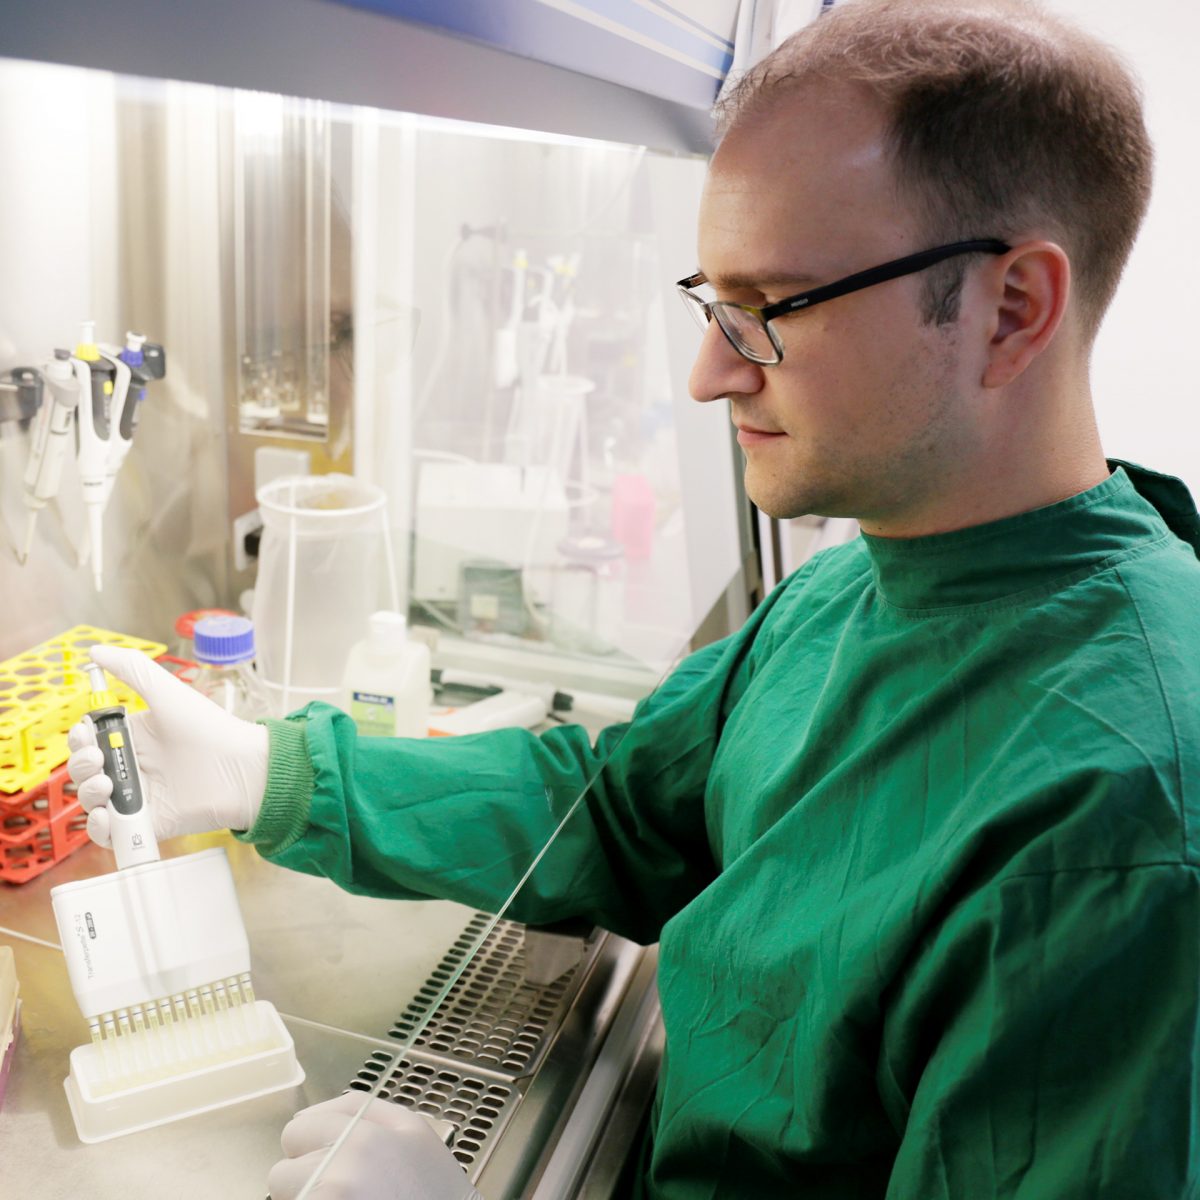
226	1152
316	952
342	970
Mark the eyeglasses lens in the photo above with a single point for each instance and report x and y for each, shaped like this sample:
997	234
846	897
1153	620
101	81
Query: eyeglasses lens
695	306
746	332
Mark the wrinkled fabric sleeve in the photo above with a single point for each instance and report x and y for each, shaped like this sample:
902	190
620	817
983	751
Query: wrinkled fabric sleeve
464	819
1046	1043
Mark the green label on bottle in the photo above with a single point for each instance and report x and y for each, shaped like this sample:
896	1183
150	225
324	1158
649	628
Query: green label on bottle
373	713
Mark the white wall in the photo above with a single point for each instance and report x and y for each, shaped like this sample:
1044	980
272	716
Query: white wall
1145	385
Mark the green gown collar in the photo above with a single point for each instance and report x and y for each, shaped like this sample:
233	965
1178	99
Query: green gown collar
1038	552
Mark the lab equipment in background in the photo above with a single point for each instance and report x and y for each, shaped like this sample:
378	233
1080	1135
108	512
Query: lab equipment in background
93	431
133	839
51	435
138	364
633	510
185	628
486	511
505	710
491	599
325	540
99	389
386	687
289	251
10	1016
224	654
135	366
159	963
20	394
506	364
40	827
589	595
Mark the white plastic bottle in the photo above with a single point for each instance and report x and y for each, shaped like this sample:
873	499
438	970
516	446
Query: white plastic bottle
386	686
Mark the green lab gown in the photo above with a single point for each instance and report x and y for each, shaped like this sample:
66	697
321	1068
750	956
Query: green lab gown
919	843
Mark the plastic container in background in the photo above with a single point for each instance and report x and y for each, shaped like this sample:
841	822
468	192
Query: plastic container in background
224	651
386	687
588	600
185	628
324	555
633	505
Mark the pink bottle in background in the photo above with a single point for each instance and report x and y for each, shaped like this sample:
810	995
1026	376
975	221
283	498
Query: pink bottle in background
633	514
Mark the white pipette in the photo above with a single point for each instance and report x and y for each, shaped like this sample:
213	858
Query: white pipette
96	377
51	436
138	364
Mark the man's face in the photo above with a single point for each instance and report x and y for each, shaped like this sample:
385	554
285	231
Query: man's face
866	414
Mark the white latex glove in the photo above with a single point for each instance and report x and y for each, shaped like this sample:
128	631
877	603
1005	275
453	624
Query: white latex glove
391	1154
202	769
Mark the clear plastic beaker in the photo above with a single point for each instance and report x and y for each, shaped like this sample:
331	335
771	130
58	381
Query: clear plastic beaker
324	566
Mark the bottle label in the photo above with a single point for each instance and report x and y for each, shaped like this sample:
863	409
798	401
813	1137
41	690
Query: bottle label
373	713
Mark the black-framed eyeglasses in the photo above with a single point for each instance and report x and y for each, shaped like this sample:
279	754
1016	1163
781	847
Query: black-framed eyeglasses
748	327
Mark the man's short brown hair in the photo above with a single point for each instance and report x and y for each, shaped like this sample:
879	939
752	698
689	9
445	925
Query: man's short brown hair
1003	120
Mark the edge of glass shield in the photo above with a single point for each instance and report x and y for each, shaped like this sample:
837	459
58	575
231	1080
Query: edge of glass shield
398	1052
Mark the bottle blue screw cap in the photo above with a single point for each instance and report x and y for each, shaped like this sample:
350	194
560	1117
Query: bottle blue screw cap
222	641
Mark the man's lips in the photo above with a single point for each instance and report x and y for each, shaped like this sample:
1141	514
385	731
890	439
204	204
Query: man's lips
749	436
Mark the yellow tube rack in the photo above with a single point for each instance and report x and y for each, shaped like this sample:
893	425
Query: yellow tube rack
43	692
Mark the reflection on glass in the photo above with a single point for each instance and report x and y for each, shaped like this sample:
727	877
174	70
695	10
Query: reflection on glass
520	406
546	496
284	207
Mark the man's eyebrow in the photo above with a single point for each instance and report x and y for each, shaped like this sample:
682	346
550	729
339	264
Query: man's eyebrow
759	282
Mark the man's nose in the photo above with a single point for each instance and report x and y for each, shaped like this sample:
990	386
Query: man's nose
719	370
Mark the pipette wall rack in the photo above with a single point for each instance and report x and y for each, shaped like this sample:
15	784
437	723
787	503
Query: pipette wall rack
43	692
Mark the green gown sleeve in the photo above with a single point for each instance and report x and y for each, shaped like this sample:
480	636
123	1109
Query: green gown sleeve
463	819
1042	1046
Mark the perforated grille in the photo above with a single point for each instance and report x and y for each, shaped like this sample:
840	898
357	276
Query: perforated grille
492	1029
477	1107
492	1019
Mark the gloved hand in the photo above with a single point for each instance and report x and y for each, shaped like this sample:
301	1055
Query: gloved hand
391	1154
202	769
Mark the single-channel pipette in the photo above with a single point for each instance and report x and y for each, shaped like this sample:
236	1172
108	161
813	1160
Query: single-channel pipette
93	430
137	365
132	828
51	441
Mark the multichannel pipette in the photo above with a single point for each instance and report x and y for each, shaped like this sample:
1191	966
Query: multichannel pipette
133	839
159	961
51	435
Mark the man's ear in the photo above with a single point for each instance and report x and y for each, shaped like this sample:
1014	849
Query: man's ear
1030	287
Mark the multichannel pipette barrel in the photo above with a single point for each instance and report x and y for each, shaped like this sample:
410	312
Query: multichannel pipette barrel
51	435
159	961
130	822
93	429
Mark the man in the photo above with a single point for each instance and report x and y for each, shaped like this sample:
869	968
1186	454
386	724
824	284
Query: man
920	841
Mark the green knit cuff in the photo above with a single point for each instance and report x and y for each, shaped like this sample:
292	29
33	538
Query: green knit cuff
287	802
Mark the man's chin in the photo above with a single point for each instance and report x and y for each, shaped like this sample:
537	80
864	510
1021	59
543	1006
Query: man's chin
785	505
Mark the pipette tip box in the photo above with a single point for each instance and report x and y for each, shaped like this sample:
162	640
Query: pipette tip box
159	961
102	1112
